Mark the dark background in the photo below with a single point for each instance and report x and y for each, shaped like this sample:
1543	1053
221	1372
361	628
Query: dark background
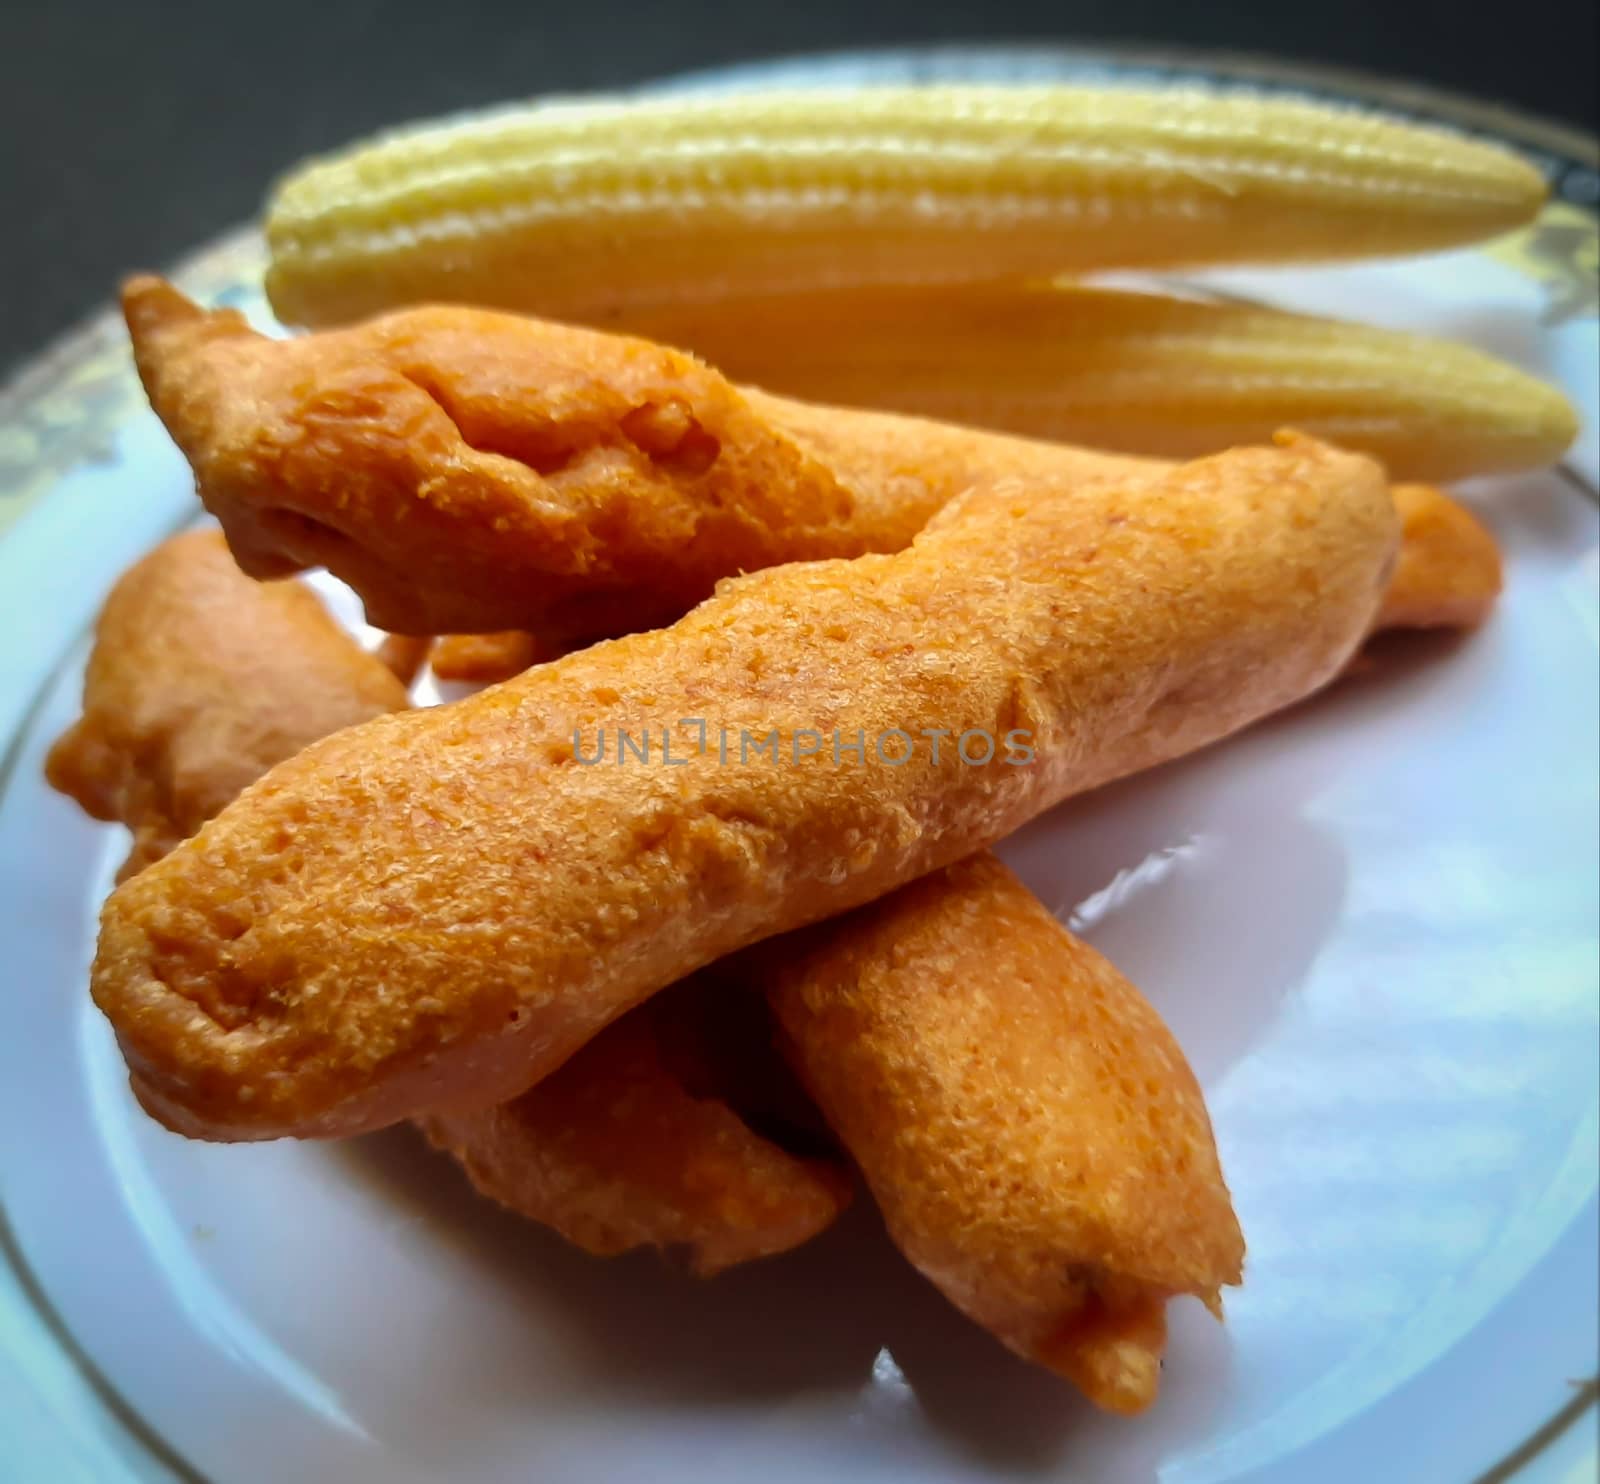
134	131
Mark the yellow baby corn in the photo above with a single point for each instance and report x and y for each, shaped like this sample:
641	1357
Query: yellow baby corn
595	209
1137	372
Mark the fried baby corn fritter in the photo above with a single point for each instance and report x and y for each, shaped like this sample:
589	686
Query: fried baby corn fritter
1447	576
1029	1127
470	472
483	658
340	450
199	682
615	1151
438	908
627	1146
641	1138
1449	571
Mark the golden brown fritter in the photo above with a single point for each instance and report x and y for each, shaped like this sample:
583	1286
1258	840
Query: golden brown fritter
1029	1127
439	908
199	681
483	659
1448	574
472	472
642	1138
467	471
619	1149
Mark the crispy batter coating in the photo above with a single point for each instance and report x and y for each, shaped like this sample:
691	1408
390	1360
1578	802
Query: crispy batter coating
467	471
199	681
1448	574
619	1148
1029	1127
634	1141
483	658
542	505
437	909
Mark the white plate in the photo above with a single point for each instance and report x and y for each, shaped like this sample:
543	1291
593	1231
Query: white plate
1372	924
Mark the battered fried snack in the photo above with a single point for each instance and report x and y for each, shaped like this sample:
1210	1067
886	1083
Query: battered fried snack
443	905
1038	1145
468	472
632	1142
483	658
199	681
615	535
618	1149
1449	573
